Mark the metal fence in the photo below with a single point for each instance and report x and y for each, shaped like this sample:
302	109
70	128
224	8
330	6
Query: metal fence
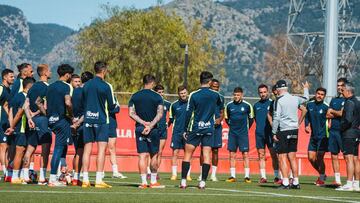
124	97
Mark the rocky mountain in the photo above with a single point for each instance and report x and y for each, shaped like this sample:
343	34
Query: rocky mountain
22	41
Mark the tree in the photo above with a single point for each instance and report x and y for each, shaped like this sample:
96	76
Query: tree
291	64
136	42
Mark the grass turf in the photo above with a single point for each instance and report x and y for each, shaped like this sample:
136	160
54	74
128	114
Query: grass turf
126	191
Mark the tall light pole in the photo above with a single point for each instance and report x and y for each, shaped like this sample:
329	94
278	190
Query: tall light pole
331	47
186	63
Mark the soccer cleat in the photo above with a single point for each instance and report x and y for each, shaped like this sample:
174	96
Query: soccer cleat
335	184
56	184
119	175
214	179
182	186
173	177
143	186
276	180
231	180
43	182
320	183
247	180
345	188
76	183
16	181
316	181
201	187
263	180
102	185
283	187
188	178
7	179
156	185
86	184
296	187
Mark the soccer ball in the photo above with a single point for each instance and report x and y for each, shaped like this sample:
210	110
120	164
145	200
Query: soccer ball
33	176
65	178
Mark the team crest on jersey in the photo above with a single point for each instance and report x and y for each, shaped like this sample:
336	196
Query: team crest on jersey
4	139
268	108
242	109
165	108
342	104
321	111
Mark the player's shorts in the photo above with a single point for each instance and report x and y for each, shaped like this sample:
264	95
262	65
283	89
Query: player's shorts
147	143
350	146
236	142
217	137
288	140
177	141
112	127
263	140
318	145
205	137
163	133
3	137
79	138
96	132
20	139
41	134
335	142
62	131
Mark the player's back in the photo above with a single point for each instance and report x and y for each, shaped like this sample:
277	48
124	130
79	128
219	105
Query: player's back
77	102
203	103
55	98
98	100
38	89
146	102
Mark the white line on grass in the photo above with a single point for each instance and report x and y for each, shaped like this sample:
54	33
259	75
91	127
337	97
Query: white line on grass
334	199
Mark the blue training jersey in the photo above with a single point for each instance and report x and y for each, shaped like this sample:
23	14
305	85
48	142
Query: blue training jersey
239	116
337	104
78	102
162	122
316	117
55	97
146	103
99	101
201	109
38	89
261	110
17	103
4	97
177	116
16	88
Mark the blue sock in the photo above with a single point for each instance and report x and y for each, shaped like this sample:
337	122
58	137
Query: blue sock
55	161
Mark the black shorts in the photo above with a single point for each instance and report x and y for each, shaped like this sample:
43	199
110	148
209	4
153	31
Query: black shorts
288	140
350	146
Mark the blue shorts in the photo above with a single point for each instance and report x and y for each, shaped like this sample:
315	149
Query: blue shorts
62	132
240	142
149	143
20	139
318	145
79	138
263	140
163	133
335	142
112	127
177	141
205	137
217	137
3	137
41	134
96	132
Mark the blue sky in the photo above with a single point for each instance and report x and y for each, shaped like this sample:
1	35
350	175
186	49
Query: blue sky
71	13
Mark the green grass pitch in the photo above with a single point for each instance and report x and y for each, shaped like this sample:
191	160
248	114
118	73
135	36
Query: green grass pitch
126	191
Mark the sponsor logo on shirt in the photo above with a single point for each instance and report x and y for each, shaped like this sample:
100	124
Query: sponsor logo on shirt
92	115
53	119
203	125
